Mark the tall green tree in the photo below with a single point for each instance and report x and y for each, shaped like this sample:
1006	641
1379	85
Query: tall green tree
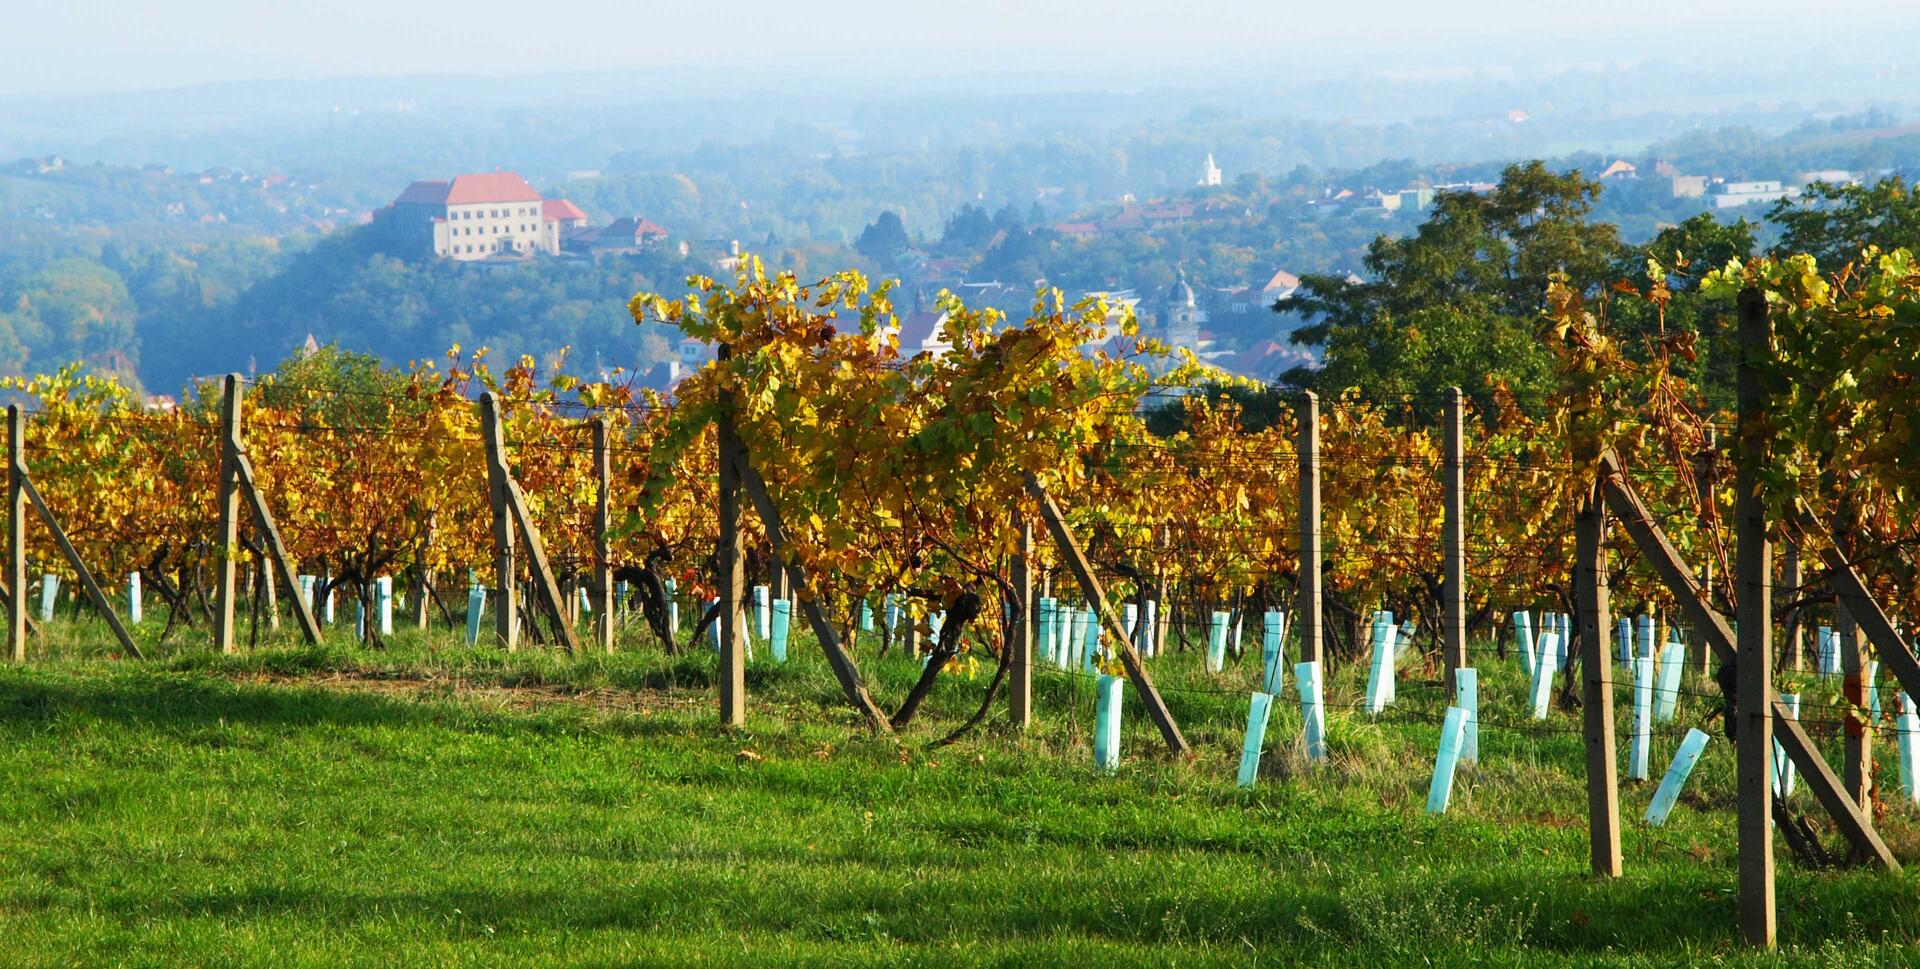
969	228
1679	257
1833	223
884	239
1455	304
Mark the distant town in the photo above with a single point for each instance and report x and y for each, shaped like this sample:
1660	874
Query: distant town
1158	257
499	218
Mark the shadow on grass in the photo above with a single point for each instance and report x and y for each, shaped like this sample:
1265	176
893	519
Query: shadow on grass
180	704
1448	918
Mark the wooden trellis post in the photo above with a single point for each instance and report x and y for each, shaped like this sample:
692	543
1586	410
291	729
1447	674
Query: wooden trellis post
1603	780
1020	664
20	485
1454	537
506	493
731	559
1308	620
1090	584
226	571
602	527
1753	669
16	534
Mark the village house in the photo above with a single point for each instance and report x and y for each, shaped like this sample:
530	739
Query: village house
629	234
922	331
1732	195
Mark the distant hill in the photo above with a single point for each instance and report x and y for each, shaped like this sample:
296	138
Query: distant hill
355	288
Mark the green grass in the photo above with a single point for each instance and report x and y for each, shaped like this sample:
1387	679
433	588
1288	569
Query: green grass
431	804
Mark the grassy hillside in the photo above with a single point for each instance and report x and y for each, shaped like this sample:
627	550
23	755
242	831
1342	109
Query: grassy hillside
431	804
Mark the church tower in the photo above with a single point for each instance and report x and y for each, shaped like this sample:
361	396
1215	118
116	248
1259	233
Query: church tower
1181	317
1210	175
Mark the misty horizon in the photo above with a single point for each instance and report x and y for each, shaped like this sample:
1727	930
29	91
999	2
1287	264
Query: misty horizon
58	50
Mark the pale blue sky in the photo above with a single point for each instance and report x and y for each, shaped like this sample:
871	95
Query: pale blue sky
51	46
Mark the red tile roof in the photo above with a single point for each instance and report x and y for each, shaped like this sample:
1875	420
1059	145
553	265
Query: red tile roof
561	210
1282	280
470	190
1620	167
490	187
634	227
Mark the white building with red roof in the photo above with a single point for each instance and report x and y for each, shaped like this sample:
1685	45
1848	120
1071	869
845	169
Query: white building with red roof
564	212
482	216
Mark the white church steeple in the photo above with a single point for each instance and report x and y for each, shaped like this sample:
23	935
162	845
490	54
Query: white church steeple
1210	175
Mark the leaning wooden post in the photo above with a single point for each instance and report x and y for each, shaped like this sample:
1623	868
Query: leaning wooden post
16	533
94	593
1850	587
1454	610
602	529
733	661
1020	664
1753	656
1090	584
269	534
506	621
229	550
812	605
1308	607
1590	585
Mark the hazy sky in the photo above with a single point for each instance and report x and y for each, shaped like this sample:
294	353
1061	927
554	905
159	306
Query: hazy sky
51	46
